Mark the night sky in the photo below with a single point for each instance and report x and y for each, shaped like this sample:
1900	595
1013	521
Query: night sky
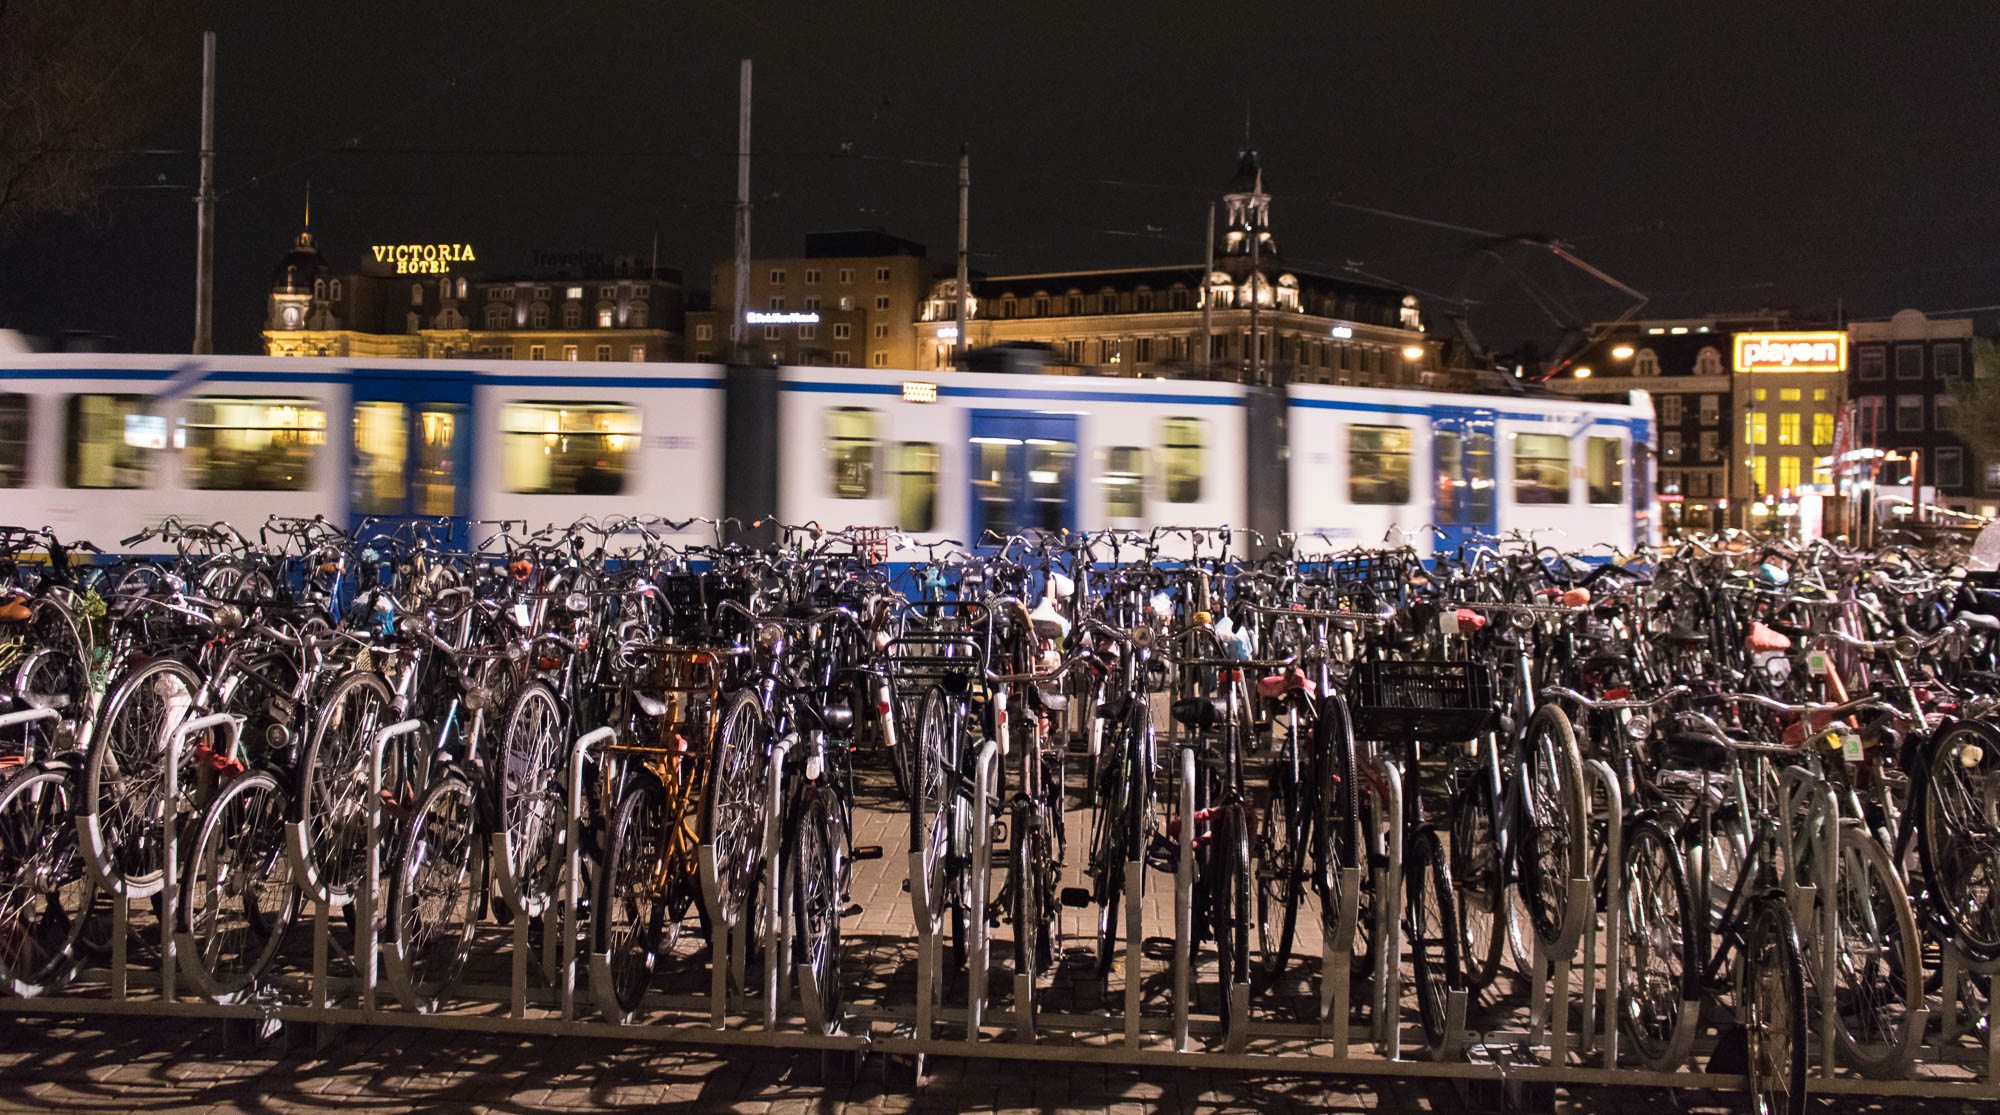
1716	158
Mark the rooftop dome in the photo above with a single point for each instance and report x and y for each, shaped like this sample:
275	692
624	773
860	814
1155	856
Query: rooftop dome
296	272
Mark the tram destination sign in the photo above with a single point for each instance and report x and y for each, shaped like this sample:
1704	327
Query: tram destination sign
1791	352
422	259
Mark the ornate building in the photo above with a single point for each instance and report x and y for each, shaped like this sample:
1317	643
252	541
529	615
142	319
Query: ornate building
582	308
1310	328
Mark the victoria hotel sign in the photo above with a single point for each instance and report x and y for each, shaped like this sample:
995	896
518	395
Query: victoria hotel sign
423	259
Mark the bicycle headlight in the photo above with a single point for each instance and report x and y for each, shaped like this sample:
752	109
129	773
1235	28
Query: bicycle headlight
769	636
577	602
228	617
1638	727
1905	647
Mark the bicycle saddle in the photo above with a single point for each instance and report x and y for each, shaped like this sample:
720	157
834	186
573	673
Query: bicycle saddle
1201	713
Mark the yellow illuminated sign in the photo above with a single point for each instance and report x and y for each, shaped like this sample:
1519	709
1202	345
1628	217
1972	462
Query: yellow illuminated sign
916	391
1791	352
424	259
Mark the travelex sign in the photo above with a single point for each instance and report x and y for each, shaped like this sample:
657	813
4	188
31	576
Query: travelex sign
1791	352
423	259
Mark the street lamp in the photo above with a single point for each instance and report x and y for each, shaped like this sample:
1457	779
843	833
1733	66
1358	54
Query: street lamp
1413	352
1622	352
1582	373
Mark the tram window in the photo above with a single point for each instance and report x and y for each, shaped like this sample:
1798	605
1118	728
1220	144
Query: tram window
1604	469
916	485
1125	482
105	447
1181	446
381	444
434	482
1448	461
1378	464
1541	468
568	449
851	443
13	440
1050	467
252	445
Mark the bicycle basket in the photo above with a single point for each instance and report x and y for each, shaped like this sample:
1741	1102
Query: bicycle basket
1368	582
1421	700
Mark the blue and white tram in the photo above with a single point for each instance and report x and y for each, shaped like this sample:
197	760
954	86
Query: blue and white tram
100	446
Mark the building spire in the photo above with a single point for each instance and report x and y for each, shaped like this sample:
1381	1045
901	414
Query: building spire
305	240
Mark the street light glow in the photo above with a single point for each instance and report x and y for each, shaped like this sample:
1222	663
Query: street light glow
1622	352
1413	352
1583	373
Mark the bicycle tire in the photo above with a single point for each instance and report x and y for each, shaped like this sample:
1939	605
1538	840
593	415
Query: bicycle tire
1230	902
629	919
333	781
1279	878
237	895
1879	972
1482	885
1772	999
1958	847
1432	928
930	793
1554	838
1659	964
532	804
123	774
817	845
46	892
738	797
435	894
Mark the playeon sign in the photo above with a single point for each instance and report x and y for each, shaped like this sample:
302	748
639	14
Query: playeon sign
1791	352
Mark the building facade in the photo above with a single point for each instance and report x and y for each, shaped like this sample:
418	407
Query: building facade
851	301
1904	370
1747	407
1309	328
437	306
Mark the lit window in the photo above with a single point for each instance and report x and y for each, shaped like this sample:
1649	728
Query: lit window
251	445
1378	464
381	445
638	354
110	441
569	352
1181	459
1604	470
573	292
13	440
1125	482
1822	429
1788	473
916	485
851	444
604	314
1755	467
1819	394
568	449
1541	468
1788	429
1756	427
1670	446
1789	395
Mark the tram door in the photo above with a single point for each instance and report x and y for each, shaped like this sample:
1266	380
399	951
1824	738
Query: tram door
412	451
1462	475
1023	472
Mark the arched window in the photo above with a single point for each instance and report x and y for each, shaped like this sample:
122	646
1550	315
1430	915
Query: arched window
333	290
572	316
497	315
1708	362
1041	305
319	288
538	316
606	314
461	288
416	294
1646	363
1075	303
635	316
1007	306
1107	302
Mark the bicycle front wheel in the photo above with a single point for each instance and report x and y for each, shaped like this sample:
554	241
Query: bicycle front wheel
1877	965
1772	1002
1553	842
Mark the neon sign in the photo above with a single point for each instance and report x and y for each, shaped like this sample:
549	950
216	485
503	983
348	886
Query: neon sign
1791	352
758	317
424	259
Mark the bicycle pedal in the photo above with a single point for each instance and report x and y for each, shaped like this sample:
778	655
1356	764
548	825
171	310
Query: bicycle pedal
999	835
853	909
1076	898
906	884
866	852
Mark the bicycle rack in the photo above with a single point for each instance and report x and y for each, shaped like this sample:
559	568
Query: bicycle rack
1953	969
1387	1016
1184	903
984	772
368	924
21	718
774	927
1795	785
172	959
573	875
1599	772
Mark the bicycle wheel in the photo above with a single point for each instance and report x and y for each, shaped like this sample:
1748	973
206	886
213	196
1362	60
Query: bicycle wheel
631	910
1959	835
1029	876
932	759
1553	840
737	793
333	781
818	845
1772	1000
435	894
1126	807
1229	900
1658	966
1432	927
238	898
125	776
1278	876
1482	885
1877	966
45	891
533	803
